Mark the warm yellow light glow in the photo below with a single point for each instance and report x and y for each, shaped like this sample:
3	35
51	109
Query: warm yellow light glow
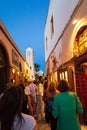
18	72
66	77
13	71
78	25
51	78
74	21
55	76
60	76
13	80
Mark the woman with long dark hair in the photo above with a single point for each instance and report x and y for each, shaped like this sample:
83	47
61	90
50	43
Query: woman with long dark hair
11	117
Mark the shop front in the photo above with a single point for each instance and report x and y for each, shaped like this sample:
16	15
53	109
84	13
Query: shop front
81	82
4	70
66	71
80	62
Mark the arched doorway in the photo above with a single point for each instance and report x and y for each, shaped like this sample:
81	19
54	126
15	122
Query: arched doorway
80	53
4	72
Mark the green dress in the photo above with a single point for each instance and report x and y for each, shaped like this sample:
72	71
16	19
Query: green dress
65	107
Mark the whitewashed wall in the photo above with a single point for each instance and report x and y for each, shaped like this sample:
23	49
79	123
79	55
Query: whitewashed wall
71	31
61	11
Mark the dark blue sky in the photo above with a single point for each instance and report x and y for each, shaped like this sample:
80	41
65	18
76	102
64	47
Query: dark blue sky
25	21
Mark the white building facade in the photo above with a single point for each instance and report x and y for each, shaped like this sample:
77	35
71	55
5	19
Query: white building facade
30	61
65	37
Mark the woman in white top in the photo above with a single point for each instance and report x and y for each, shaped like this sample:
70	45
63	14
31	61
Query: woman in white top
11	117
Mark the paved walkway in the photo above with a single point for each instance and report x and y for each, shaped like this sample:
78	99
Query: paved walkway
84	127
42	125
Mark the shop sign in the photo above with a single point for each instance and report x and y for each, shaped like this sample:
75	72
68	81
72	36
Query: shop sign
15	58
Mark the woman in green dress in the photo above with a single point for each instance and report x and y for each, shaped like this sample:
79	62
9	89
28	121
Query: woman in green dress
66	105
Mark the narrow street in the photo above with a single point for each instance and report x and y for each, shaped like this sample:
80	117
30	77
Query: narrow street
42	125
84	128
43	51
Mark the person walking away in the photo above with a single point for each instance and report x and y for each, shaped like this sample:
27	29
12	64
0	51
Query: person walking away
33	90
51	92
11	117
40	103
66	105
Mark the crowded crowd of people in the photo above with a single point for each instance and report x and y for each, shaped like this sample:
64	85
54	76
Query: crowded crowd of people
21	105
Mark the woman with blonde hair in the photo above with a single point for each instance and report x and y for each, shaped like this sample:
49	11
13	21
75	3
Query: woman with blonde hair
51	92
